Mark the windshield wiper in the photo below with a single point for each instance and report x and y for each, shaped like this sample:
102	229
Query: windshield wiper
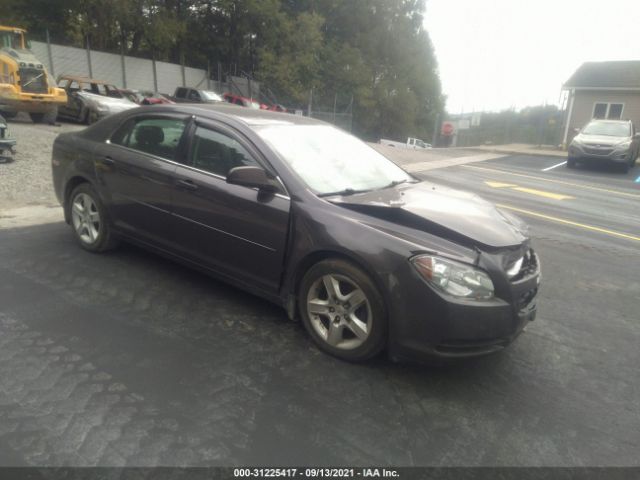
344	193
394	183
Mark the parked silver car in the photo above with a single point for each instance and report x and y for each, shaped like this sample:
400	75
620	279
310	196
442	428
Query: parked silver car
611	141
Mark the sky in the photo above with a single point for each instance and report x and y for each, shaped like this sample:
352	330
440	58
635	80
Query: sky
500	54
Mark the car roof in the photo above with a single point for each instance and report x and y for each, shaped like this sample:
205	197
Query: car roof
80	79
249	116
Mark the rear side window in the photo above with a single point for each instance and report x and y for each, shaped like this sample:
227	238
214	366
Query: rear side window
181	92
155	136
217	153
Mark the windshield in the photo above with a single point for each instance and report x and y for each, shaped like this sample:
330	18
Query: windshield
608	129
209	95
11	40
329	160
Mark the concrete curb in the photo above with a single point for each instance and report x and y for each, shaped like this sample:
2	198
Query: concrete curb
523	151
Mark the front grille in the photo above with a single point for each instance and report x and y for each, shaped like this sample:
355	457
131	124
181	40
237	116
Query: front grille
33	80
598	151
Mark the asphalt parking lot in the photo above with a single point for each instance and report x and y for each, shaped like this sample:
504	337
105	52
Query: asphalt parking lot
129	359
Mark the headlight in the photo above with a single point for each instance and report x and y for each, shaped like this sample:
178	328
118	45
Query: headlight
623	145
456	279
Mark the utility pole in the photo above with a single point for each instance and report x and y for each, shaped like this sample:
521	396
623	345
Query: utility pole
436	128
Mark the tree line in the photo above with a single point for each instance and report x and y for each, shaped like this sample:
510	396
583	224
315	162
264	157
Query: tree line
376	52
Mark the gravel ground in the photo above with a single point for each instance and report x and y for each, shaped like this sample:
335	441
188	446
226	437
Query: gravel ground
27	180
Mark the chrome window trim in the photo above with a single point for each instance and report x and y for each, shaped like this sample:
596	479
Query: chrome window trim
189	167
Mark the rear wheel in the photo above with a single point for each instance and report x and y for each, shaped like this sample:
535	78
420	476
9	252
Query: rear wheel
89	220
343	311
571	163
36	117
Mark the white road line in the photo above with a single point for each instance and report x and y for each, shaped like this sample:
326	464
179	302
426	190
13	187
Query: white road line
553	166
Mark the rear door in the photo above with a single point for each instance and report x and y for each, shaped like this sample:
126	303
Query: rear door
136	170
238	231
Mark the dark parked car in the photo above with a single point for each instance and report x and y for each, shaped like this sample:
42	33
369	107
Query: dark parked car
193	95
307	216
6	143
606	141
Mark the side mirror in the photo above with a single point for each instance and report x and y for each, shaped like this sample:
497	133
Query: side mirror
576	130
637	136
254	177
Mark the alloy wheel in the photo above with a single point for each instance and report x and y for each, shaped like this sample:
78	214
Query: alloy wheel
339	311
86	218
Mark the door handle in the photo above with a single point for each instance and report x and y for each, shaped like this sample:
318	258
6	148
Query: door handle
108	161
186	185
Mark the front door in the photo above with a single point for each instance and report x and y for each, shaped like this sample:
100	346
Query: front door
239	231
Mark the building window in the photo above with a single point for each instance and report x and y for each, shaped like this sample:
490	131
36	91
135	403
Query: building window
615	111
608	111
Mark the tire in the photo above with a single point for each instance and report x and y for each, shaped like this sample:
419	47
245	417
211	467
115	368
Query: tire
351	332
51	116
37	117
91	118
571	163
91	229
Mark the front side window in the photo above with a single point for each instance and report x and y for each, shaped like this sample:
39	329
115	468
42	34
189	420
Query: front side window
193	95
217	153
155	136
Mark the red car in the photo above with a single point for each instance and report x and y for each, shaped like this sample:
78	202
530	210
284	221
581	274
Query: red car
244	101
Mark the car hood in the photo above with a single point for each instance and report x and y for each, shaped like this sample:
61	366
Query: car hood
453	214
110	102
600	139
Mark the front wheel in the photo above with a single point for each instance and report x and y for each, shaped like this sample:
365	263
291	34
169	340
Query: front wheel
89	220
571	163
343	311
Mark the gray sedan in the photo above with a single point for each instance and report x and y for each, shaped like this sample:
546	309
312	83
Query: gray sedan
299	212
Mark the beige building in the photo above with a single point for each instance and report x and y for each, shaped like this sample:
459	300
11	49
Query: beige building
609	90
